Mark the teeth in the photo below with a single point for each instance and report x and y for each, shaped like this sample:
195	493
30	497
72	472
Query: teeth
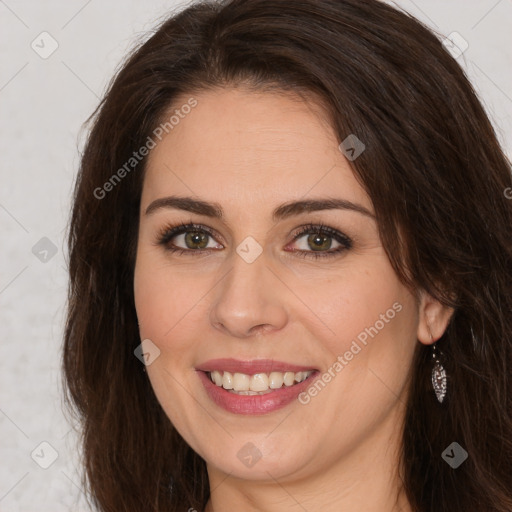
241	382
259	383
217	378
300	376
275	380
289	379
226	380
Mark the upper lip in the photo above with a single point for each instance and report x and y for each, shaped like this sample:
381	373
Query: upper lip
250	367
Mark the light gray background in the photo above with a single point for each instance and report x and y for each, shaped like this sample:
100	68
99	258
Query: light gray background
43	105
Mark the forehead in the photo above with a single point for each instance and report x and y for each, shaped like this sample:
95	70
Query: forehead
241	145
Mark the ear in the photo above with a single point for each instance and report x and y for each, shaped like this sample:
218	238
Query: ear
434	318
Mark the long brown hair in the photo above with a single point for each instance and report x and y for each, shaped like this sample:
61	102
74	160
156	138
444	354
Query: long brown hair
436	176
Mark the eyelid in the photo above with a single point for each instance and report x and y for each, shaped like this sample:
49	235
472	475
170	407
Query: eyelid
169	231
323	229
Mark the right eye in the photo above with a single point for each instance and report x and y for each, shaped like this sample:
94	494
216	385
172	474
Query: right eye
193	237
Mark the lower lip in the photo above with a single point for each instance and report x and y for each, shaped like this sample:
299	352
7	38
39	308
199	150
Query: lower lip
254	404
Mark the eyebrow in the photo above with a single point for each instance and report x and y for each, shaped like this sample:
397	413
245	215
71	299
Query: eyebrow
283	211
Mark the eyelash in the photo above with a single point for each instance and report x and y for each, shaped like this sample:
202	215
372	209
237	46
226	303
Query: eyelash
166	234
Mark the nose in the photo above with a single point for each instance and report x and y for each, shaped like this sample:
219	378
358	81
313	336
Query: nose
249	300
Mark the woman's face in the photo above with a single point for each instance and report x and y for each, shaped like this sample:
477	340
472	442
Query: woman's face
242	293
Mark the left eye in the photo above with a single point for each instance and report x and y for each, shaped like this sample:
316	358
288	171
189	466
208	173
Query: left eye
316	242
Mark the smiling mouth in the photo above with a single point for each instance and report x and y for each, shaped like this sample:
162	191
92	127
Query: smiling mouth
258	383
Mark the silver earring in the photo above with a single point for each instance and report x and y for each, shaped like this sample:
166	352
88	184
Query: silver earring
438	375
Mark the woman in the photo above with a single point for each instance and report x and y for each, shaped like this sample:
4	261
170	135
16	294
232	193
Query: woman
290	261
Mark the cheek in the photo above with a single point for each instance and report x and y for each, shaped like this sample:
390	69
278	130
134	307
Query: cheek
163	297
150	298
370	322
170	305
165	303
358	303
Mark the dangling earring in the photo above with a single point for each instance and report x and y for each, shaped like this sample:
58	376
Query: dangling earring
438	374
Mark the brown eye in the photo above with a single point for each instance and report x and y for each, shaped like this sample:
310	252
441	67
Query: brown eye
317	241
196	240
187	238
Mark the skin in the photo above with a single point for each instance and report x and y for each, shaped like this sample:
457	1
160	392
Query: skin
251	152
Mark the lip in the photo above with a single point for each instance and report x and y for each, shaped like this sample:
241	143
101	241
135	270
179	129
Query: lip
252	404
251	367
